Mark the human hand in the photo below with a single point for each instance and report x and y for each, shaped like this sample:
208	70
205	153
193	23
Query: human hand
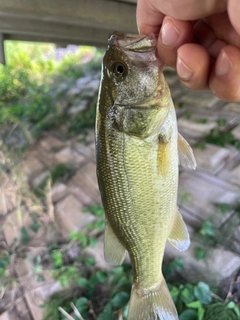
201	39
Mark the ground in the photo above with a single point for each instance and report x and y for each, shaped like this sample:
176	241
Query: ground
208	197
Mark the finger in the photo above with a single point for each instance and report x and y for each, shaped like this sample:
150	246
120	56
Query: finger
193	66
149	18
189	9
174	33
150	13
205	36
234	14
223	29
225	77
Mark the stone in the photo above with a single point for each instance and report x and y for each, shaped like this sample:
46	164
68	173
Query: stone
236	131
51	143
8	190
74	110
87	137
218	265
211	158
70	217
199	99
2	158
13	224
199	193
32	166
189	127
190	219
86	178
68	155
6	316
82	195
59	190
86	151
232	175
36	181
97	253
29	284
232	106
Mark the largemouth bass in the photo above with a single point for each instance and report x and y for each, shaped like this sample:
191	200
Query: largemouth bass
138	150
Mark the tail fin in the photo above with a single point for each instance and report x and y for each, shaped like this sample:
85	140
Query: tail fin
152	304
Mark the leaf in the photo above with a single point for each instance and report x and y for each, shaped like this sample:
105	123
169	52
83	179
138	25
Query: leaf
82	282
107	313
82	239
221	122
175	293
208	229
197	305
202	293
200	253
223	207
82	304
120	299
189	315
92	241
102	276
232	305
187	294
100	224
25	238
58	259
89	261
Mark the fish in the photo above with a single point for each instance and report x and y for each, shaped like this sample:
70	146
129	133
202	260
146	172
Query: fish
138	151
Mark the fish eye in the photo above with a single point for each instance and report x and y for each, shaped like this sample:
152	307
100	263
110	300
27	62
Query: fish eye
119	70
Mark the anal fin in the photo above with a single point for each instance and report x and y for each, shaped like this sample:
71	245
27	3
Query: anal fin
186	156
179	236
114	252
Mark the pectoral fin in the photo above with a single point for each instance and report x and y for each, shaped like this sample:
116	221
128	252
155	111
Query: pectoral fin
164	153
186	157
179	236
114	252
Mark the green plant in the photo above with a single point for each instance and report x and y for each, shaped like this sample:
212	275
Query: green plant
84	120
222	311
220	137
202	120
61	171
169	269
4	263
200	253
207	229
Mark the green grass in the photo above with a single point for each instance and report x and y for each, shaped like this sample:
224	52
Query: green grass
29	88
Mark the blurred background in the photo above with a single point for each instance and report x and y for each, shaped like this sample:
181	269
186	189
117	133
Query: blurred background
52	221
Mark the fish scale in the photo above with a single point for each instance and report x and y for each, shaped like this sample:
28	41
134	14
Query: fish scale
138	149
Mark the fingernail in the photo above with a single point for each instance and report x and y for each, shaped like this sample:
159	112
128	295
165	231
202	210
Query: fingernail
169	33
184	72
223	64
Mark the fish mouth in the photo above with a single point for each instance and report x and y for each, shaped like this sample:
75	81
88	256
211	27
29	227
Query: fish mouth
133	42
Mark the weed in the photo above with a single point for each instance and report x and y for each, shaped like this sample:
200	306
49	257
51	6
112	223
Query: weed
61	171
202	120
221	138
